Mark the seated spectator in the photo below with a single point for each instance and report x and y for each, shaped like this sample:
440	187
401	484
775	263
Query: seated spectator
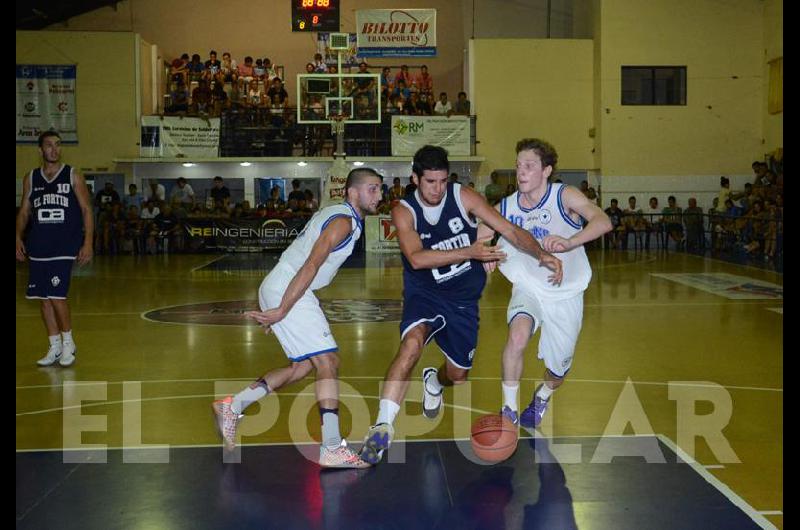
212	67
401	91
403	76
396	192
178	71
387	82
275	204
148	214
311	202
319	64
615	236
634	222
771	223
219	192
245	76
196	69
310	68
112	228
165	228
201	98
219	100
755	231
673	221
277	89
654	218
178	99
229	69
411	107
443	107
260	72
411	187
155	192
133	198
270	70
132	235
424	106
424	82
462	106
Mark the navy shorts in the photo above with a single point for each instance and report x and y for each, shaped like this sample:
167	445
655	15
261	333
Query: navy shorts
49	279
454	324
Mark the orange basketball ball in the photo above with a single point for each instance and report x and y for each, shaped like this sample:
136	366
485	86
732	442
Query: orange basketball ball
494	438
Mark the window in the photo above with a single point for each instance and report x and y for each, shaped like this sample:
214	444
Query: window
654	85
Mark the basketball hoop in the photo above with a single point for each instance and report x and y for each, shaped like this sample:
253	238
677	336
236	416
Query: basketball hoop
337	123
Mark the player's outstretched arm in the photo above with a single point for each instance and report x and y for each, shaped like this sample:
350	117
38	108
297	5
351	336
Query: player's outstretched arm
422	258
598	222
477	206
85	202
22	216
333	234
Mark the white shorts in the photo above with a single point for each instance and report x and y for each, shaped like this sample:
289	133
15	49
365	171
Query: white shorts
304	332
560	321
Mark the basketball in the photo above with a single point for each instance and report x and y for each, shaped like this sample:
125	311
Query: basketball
494	438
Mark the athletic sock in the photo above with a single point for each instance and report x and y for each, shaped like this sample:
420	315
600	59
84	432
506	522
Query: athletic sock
249	395
331	437
55	340
545	392
510	396
433	385
66	336
387	411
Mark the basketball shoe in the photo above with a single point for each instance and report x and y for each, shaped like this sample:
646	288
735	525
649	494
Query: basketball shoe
431	403
227	420
377	440
341	457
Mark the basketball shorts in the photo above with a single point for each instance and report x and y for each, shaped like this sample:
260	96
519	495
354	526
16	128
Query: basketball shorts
304	332
454	324
49	279
560	321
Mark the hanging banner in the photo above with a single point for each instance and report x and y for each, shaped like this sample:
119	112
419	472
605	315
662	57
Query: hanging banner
396	32
46	101
173	136
381	234
333	184
409	133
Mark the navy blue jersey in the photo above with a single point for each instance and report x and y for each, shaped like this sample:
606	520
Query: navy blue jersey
446	227
56	222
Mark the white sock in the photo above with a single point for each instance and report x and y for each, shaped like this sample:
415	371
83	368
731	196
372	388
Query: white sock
249	395
510	396
387	411
331	437
433	385
67	336
55	341
545	392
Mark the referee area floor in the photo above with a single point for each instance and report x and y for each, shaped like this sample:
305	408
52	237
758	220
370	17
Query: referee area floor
671	416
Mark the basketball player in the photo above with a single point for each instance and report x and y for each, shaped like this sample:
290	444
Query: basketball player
442	281
56	201
552	213
290	309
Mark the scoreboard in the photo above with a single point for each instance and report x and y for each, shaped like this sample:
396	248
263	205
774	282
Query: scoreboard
315	15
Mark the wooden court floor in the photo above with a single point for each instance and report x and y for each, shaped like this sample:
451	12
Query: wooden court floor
159	336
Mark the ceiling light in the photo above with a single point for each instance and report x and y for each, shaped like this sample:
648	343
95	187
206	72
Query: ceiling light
245	164
302	164
358	163
188	164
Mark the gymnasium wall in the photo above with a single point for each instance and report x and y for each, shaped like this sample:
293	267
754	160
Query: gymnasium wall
773	48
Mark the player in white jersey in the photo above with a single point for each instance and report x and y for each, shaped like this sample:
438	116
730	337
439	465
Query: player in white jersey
552	214
290	309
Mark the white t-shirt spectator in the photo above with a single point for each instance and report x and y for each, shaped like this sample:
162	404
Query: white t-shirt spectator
442	109
161	193
147	214
183	195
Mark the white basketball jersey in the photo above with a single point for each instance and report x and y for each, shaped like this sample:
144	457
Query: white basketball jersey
547	217
296	255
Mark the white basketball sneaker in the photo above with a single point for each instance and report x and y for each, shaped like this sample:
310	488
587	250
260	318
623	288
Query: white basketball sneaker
53	354
68	354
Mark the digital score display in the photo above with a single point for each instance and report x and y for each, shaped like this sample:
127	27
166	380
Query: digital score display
315	15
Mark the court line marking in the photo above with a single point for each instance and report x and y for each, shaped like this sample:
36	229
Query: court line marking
732	496
377	378
218	445
485	308
719	260
714	466
194	269
770	512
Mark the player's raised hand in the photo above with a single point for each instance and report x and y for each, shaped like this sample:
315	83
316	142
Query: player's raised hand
482	251
555	265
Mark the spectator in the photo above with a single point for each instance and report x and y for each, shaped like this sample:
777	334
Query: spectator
462	106
245	76
201	98
219	99
277	89
397	191
493	191
411	187
453	177
403	76
149	212
229	69
196	69
673	217
614	213
424	106
693	221
132	235
220	193
424	82
182	193
386	82
653	216
510	189
443	107
164	229
213	66
634	222
275	204
401	91
155	192
319	64
178	71
133	198
311	202
296	194
106	197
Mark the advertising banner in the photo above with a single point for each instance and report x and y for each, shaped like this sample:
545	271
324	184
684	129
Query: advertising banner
173	136
242	235
396	32
46	101
381	234
409	133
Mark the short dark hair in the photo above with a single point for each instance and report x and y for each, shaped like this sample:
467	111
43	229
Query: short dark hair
671	198
462	92
547	153
296	183
631	197
431	157
358	175
212	52
218	178
654	199
181	179
47	134
614	201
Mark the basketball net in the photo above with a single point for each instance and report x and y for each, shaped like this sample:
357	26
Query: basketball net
337	124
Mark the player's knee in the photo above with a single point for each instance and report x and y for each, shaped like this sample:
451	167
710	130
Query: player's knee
327	361
457	375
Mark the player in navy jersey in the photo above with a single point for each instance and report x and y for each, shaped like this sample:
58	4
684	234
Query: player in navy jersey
56	201
442	281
